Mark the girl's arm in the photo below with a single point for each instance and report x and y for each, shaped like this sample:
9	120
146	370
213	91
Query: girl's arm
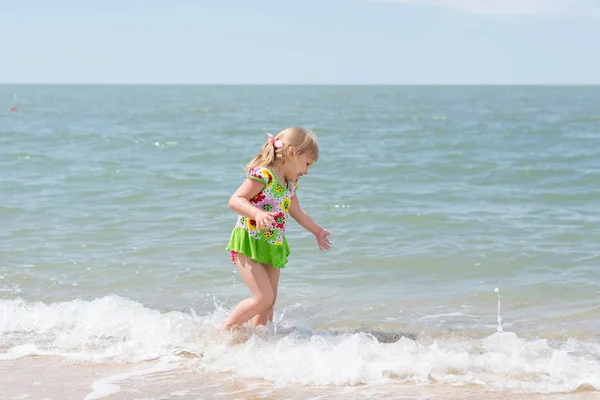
309	224
240	203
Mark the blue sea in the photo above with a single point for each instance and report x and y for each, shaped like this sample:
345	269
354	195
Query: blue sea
465	259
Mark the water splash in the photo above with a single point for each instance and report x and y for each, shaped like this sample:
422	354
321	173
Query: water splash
498	317
113	329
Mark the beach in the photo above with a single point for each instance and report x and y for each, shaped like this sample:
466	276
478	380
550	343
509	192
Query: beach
465	243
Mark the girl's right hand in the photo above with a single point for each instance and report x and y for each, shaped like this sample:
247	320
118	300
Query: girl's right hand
264	220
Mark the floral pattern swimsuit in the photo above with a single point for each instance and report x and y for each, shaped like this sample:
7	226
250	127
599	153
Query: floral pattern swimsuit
265	245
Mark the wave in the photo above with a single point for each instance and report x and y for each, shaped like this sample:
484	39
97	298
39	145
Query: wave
116	329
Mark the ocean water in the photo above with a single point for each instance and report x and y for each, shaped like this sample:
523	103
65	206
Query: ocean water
465	259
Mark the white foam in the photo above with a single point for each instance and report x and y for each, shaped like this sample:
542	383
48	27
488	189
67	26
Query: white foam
20	351
501	360
117	329
108	386
110	328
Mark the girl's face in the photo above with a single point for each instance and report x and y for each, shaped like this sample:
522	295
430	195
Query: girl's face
297	166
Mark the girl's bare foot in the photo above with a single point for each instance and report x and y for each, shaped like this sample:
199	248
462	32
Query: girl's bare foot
237	335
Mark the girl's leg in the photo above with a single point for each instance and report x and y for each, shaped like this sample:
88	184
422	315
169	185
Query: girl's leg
264	317
256	278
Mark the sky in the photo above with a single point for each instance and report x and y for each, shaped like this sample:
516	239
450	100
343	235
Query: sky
300	42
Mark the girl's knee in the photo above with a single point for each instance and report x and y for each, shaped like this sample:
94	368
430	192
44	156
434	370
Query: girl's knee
265	300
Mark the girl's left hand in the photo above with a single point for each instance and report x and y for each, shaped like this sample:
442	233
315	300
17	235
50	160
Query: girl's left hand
323	240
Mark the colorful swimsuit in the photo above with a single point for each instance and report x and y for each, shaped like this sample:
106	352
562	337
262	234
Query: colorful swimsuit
264	246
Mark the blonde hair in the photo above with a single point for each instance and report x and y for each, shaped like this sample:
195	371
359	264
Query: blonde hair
296	141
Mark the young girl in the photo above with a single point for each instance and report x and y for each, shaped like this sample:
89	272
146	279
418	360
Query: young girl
263	201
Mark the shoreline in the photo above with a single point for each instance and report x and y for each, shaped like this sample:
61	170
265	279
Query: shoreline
52	377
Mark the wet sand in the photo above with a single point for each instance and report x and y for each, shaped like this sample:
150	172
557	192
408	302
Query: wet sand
52	378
